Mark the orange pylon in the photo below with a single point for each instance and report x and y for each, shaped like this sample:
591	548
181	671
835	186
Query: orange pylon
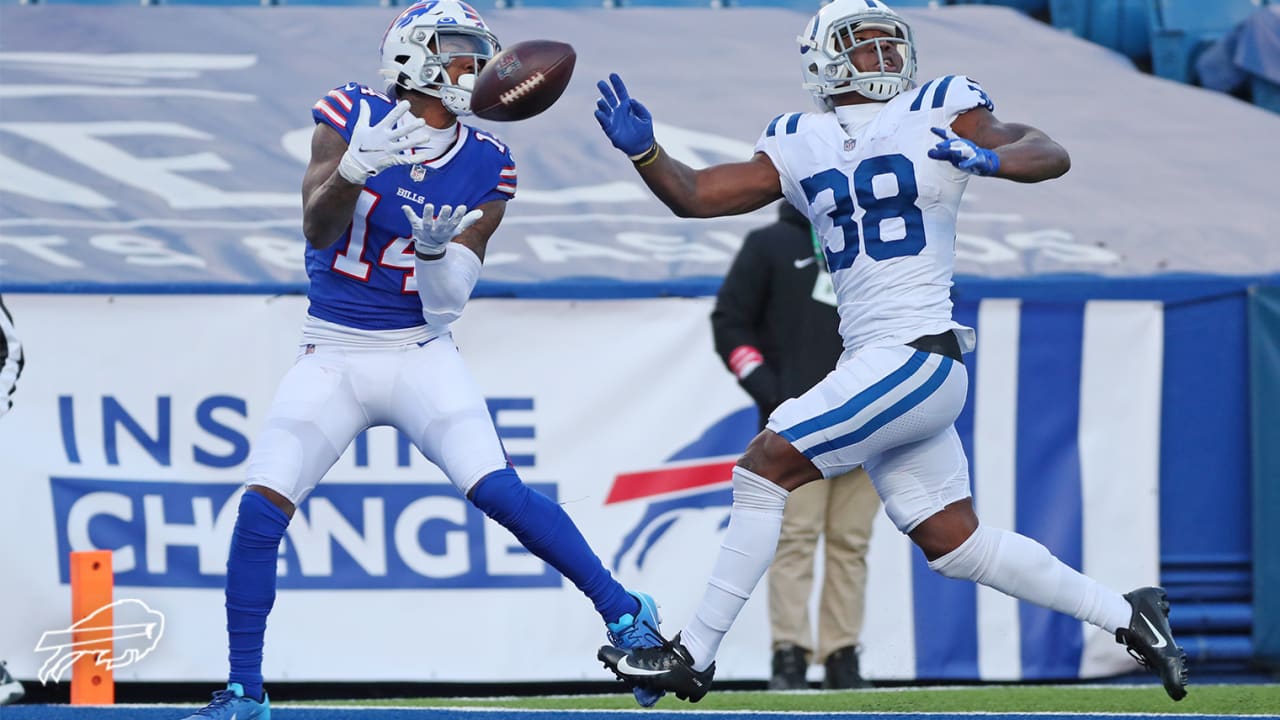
92	586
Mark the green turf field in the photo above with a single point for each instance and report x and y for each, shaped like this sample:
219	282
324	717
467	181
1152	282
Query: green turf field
1202	700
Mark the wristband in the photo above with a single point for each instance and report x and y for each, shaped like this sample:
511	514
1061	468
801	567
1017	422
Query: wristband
743	360
648	156
351	171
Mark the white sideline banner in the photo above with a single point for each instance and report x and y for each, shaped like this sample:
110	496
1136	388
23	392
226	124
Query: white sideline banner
133	422
135	414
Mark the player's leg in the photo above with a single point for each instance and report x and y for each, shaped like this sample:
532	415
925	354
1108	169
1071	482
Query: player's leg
312	419
925	487
790	583
439	407
849	515
881	398
685	665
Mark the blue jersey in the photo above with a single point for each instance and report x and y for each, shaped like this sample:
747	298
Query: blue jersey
366	279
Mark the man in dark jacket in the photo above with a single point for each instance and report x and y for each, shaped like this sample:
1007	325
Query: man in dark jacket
776	328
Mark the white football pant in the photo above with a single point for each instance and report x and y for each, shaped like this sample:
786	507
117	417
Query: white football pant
333	393
891	410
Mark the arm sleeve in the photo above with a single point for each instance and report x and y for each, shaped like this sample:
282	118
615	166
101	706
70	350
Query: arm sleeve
445	284
736	319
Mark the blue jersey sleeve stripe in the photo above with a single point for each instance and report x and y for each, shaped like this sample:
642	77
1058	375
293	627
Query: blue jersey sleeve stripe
793	122
940	95
915	104
773	127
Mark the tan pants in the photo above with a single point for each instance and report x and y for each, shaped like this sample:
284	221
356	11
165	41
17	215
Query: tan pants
841	509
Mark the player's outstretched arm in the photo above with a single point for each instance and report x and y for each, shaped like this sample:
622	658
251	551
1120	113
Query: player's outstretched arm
1023	153
727	189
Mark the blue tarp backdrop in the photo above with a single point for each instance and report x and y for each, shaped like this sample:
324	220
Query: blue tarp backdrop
162	148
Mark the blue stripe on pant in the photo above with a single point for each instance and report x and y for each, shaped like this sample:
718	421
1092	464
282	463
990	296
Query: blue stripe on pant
857	403
895	411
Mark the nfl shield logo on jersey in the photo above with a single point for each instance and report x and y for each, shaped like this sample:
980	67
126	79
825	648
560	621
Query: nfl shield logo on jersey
417	173
850	144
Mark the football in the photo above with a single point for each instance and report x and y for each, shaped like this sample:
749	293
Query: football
523	80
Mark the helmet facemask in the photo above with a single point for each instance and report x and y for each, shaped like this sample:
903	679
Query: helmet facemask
418	49
827	53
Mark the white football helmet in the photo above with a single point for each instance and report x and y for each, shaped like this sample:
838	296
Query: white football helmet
425	38
828	40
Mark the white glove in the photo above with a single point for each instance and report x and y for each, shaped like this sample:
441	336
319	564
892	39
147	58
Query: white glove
432	233
375	148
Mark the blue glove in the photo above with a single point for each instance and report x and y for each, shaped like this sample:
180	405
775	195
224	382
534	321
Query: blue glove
627	123
964	154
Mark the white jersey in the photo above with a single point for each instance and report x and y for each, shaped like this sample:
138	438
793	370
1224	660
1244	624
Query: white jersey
884	210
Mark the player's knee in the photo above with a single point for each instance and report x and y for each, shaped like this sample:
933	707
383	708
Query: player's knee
756	492
260	522
502	496
772	456
275	497
945	529
971	559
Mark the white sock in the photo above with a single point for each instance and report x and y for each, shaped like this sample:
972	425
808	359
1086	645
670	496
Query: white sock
1019	566
745	554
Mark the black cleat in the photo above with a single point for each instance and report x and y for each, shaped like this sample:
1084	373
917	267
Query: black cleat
1150	641
664	667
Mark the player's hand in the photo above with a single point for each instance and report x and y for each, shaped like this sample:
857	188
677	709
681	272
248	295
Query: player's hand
964	154
374	148
432	233
627	123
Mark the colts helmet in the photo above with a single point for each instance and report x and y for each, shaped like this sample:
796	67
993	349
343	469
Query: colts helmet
828	40
425	38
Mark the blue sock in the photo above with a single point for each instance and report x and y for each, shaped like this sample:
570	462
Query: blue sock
546	530
251	586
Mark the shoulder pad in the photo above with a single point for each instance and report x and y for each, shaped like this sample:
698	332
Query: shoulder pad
341	105
953	94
